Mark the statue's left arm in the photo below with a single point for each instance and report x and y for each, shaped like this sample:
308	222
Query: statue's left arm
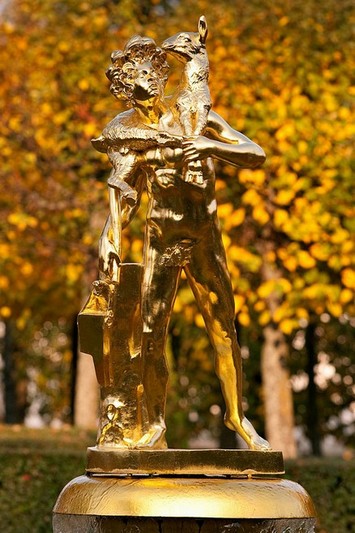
224	143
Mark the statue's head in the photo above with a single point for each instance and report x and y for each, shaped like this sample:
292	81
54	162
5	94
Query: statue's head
139	72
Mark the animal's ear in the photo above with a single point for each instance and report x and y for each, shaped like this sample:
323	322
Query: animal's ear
202	29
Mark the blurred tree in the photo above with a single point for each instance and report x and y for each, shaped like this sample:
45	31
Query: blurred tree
323	380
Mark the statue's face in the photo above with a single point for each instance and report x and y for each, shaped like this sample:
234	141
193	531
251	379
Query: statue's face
147	84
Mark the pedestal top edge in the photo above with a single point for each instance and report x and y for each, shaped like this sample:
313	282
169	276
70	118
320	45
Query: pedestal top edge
184	462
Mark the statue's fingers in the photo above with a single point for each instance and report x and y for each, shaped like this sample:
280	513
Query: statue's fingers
187	142
191	157
189	151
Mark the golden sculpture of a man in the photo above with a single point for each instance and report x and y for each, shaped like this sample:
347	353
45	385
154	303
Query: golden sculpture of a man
148	149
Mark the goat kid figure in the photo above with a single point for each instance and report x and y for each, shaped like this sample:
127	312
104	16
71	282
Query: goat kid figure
193	100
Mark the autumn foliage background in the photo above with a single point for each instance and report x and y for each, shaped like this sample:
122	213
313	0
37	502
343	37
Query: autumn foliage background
280	72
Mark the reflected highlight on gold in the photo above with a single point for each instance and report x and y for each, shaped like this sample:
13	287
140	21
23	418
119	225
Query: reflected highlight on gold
185	497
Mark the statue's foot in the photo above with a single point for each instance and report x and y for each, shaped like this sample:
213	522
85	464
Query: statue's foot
245	429
154	438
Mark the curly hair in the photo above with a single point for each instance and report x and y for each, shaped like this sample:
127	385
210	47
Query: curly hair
123	71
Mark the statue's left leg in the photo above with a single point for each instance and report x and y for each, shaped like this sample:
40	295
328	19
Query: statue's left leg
158	291
210	282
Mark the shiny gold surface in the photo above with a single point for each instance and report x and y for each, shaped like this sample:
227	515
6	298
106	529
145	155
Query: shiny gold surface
184	497
184	462
110	330
166	145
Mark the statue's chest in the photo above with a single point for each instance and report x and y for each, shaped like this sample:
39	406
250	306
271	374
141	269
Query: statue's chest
169	124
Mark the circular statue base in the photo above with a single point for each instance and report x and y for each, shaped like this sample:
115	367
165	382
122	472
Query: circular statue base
142	502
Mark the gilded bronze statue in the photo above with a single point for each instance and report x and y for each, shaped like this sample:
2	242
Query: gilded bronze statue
167	145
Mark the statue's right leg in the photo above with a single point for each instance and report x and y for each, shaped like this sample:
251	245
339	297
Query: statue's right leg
159	286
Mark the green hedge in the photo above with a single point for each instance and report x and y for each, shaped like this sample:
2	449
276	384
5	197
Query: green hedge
34	467
331	484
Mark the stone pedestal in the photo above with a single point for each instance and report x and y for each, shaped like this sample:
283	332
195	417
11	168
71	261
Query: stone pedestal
183	491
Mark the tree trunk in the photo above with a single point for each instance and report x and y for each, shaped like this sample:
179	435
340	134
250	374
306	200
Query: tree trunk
279	417
86	393
15	390
278	401
312	411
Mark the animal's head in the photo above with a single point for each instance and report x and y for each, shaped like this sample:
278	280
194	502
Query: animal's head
185	45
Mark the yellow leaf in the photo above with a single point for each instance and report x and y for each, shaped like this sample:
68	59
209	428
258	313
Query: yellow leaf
339	236
199	320
259	306
4	282
270	256
236	218
334	308
261	215
302	147
251	197
302	313
238	302
244	319
346	296
348	278
224	210
305	259
284	284
319	251
336	262
46	109
83	84
288	325
64	46
73	272
284	197
265	318
90	129
256	177
347	247
266	288
5	311
21	323
290	263
280	313
285	132
280	217
284	21
178	305
22	220
226	240
26	268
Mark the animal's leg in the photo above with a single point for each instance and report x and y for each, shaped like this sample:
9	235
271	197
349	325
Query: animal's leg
123	169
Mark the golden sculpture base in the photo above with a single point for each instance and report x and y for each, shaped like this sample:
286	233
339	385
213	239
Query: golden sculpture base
186	498
183	462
